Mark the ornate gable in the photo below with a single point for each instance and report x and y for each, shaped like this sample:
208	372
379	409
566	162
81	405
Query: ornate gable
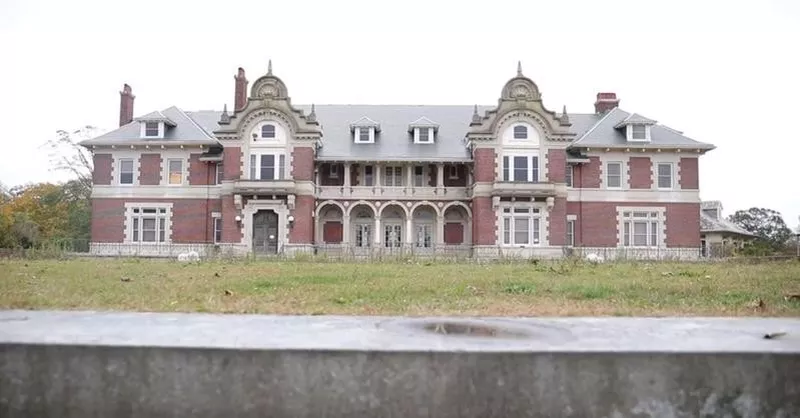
519	99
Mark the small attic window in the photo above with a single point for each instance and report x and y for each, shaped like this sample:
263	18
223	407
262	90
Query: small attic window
363	134
520	132
424	135
268	131
639	132
151	129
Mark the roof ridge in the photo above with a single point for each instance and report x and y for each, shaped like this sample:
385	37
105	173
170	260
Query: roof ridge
194	122
590	130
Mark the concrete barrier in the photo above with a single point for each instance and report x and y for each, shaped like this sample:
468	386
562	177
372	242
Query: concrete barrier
90	364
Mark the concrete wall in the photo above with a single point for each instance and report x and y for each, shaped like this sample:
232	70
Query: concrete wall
82	364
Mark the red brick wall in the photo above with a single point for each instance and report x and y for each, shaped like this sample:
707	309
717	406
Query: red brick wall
302	231
103	164
303	163
200	173
689	173
483	221
556	165
587	175
324	176
484	165
191	220
355	174
108	217
557	222
640	172
596	224
232	164
150	169
231	230
461	180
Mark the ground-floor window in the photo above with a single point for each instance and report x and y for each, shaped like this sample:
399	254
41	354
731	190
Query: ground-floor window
363	235
148	224
521	225
424	238
217	230
392	235
641	228
571	233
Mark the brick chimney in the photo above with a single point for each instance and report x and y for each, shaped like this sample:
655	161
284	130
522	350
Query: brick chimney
605	102
126	105
240	95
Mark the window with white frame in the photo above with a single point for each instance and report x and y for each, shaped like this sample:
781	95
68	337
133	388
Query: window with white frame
217	230
571	233
175	171
267	166
363	134
148	224
452	171
521	168
393	176
568	175
641	228
664	175
424	135
151	129
369	179
520	132
614	175
521	225
333	171
220	174
268	131
126	171
363	234
639	131
392	235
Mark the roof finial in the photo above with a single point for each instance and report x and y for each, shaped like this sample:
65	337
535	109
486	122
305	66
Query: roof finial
269	67
224	117
312	117
519	68
564	119
476	118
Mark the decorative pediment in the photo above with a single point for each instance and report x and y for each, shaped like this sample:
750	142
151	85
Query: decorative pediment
423	122
365	122
269	86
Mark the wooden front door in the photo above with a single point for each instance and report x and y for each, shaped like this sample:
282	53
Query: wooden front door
454	233
332	232
265	232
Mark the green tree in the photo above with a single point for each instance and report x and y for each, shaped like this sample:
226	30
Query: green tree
767	224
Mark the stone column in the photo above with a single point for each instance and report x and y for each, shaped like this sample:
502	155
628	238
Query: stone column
409	232
347	175
440	231
376	235
346	229
376	175
409	178
439	176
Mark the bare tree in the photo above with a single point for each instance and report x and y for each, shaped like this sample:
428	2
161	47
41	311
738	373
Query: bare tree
66	155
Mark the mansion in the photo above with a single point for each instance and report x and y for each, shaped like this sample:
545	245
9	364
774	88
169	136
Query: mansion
514	178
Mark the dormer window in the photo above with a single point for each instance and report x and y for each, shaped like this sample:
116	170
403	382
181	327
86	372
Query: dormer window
364	130
268	131
152	129
520	132
637	128
424	130
638	132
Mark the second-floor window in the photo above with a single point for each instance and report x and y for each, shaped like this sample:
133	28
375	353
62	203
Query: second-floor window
126	171
664	175
333	171
393	176
220	174
268	131
452	172
568	175
175	174
521	168
520	132
267	166
419	176
369	179
614	175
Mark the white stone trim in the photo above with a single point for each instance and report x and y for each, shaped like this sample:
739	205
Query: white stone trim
673	159
156	192
662	219
216	214
544	224
633	195
143	130
116	156
511	153
127	225
572	217
185	157
251	207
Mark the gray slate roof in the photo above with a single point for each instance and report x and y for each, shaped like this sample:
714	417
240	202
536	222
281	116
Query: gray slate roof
604	134
709	224
186	129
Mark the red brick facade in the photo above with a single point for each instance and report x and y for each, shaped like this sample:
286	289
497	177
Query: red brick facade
150	169
108	220
303	164
302	231
557	222
231	230
640	172
556	165
484	161
483	221
232	163
103	164
689	173
588	175
201	173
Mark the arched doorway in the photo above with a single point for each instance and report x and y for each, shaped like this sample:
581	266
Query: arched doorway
424	237
392	220
265	232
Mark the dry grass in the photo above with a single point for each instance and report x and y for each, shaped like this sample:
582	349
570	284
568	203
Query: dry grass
293	287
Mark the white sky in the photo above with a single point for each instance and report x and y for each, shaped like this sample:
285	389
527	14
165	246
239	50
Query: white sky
724	72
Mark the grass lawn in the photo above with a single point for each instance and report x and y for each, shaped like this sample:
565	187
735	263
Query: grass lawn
294	287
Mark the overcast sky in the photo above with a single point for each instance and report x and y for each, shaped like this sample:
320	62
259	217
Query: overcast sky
724	72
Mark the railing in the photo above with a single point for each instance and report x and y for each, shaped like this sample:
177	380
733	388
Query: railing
404	192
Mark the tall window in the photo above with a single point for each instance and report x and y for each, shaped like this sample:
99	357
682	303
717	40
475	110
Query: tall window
363	235
640	229
568	175
126	171
151	129
393	176
614	175
638	132
368	176
452	171
424	235
268	131
521	226
419	176
571	233
267	166
664	175
333	171
392	235
520	132
148	224
175	167
217	230
521	168
220	175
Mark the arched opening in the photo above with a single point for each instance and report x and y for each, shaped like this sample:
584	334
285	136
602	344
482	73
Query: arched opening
362	221
392	220
456	225
424	234
331	219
